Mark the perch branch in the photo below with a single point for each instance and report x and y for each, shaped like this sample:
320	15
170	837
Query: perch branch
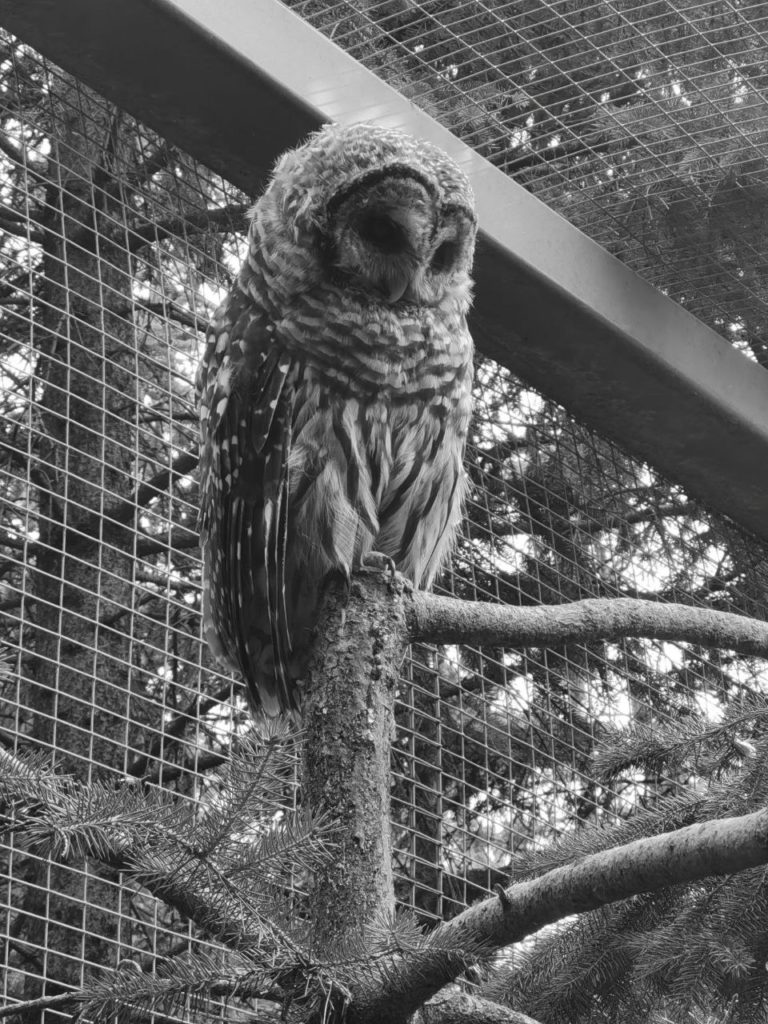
446	620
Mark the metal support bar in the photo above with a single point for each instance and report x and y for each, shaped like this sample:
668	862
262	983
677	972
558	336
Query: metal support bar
236	82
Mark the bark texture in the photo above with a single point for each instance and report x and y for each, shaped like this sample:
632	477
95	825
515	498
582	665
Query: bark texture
348	716
452	1006
446	620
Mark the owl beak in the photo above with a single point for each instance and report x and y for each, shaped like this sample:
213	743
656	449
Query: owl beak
397	285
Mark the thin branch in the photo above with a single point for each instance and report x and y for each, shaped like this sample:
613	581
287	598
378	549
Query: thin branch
197	766
22	230
174	729
180	540
169	311
159	483
8	540
21	157
446	620
124	511
155	162
594	524
82	996
202	220
20	281
63	999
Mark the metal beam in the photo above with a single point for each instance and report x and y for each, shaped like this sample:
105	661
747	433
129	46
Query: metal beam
236	82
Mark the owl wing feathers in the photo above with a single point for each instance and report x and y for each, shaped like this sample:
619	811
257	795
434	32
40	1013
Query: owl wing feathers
247	390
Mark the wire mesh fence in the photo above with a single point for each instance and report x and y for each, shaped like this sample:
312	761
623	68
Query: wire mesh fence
115	250
644	124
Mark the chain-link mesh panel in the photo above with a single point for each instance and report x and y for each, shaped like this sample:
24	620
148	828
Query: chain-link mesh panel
116	248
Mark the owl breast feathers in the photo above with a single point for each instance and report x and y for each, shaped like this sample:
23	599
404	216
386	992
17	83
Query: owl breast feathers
335	393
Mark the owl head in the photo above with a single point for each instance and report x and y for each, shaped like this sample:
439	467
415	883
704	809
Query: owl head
371	211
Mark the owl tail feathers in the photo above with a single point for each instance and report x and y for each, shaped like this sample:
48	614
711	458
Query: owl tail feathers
268	692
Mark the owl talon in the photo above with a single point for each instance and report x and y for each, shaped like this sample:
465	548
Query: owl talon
378	560
346	586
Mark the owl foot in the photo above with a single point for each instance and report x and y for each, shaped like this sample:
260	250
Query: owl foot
346	580
378	560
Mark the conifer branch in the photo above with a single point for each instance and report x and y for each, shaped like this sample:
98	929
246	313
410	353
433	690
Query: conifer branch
187	861
447	620
692	743
716	847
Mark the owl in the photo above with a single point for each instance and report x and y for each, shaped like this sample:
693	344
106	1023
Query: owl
334	393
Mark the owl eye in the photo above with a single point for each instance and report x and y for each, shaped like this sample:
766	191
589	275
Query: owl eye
383	233
444	257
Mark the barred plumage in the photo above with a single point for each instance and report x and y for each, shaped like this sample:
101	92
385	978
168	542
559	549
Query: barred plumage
335	392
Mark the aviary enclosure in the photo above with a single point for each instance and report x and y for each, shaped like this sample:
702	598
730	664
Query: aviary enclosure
645	126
